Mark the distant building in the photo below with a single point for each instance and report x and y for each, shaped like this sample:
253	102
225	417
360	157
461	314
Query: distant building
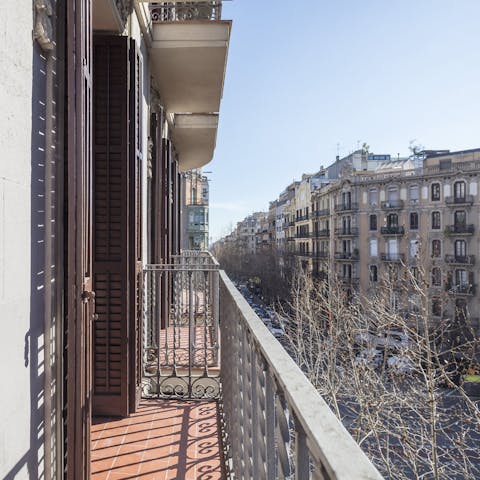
195	193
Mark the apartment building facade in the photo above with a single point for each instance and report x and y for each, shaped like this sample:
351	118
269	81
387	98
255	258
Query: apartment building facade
194	211
406	221
95	134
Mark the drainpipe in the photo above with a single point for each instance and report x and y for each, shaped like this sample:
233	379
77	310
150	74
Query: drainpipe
47	335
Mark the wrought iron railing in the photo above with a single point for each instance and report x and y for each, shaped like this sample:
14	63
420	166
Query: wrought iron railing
464	200
460	228
460	259
392	230
276	425
346	231
392	204
180	328
181	11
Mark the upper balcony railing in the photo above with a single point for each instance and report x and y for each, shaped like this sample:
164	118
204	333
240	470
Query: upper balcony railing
460	259
460	229
346	207
181	11
346	231
392	204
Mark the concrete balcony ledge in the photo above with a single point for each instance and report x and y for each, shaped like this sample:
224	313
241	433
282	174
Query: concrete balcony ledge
271	410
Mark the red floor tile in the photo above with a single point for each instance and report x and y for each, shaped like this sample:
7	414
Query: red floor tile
164	440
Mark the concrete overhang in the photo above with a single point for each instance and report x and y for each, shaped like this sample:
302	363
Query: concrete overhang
188	60
194	137
107	17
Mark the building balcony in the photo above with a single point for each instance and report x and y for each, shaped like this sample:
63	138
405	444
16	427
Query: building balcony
392	257
464	201
346	207
346	256
349	280
460	290
197	227
460	229
392	230
321	213
304	235
460	260
392	205
290	239
321	233
322	255
346	231
188	53
302	218
245	408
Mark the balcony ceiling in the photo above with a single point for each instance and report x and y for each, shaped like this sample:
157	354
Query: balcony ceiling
189	60
106	15
194	136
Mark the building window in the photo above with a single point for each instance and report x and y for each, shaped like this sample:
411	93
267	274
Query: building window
436	220
435	192
373	273
413	248
373	197
414	194
461	278
373	222
436	248
460	218
436	307
373	247
459	191
414	221
414	273
392	220
460	248
436	277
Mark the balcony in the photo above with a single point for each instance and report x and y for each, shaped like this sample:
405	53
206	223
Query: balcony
246	409
188	53
321	233
460	289
321	213
346	231
302	218
464	201
322	255
394	230
197	227
346	256
392	205
348	280
304	235
392	257
346	207
460	260
460	229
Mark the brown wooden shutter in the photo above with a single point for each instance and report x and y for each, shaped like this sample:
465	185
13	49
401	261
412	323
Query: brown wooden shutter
135	225
111	233
79	293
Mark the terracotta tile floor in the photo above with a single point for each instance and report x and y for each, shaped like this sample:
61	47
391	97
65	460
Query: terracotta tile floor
164	440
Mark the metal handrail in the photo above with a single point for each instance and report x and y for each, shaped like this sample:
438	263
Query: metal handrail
276	424
181	11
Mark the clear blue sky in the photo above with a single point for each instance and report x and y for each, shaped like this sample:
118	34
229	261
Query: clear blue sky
306	75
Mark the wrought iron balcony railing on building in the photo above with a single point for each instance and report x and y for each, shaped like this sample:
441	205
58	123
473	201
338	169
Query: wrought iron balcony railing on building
181	11
303	235
392	205
460	229
321	233
274	423
302	218
392	230
460	259
346	207
460	289
321	213
346	255
456	201
392	257
346	231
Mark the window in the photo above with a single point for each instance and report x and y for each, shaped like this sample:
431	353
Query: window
459	190
436	307
414	273
436	277
392	220
392	194
373	273
461	277
460	218
373	197
436	220
460	248
413	248
414	194
435	192
436	248
373	247
414	221
373	222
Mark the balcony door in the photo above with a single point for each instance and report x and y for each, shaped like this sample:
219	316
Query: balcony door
79	295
